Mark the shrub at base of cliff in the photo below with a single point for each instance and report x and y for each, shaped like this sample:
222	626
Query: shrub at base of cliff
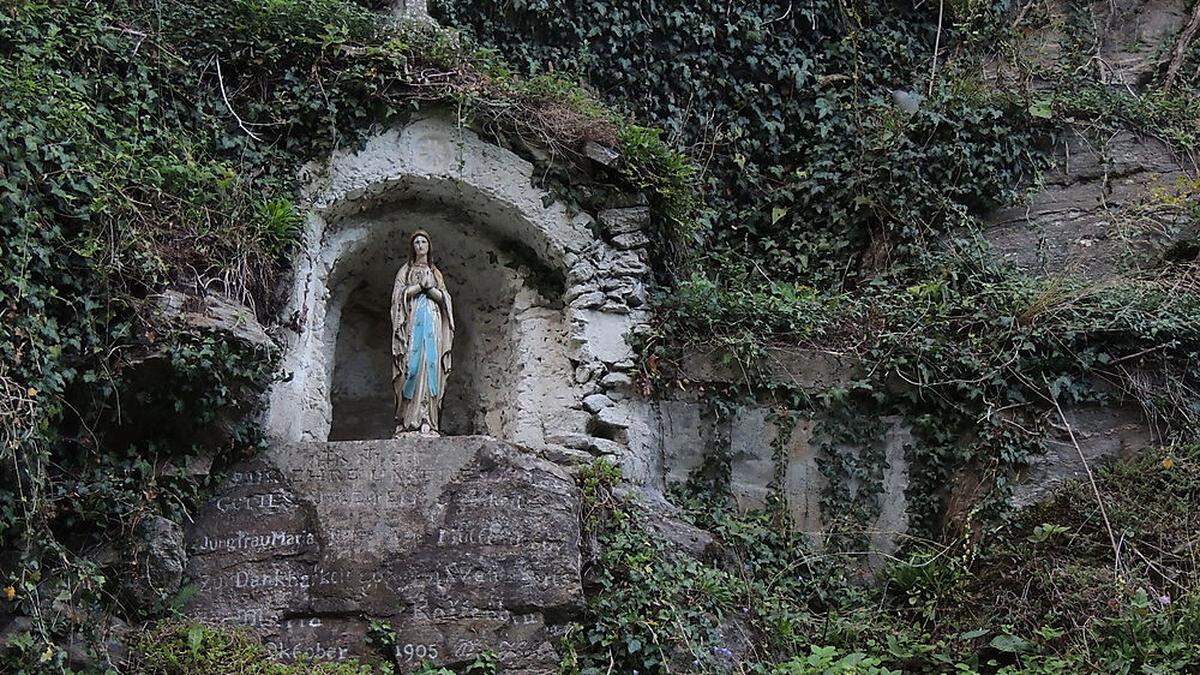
95	534
1102	577
1097	578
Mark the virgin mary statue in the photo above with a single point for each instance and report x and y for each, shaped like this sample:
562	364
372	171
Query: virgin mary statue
422	333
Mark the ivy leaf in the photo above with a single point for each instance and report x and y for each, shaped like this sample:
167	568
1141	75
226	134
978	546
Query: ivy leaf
1042	108
1010	644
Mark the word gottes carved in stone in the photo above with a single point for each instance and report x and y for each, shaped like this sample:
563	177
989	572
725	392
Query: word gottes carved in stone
463	545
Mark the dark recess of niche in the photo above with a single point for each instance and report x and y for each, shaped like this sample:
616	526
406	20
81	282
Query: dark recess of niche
372	417
550	282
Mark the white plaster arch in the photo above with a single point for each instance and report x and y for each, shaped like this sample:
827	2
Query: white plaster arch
434	164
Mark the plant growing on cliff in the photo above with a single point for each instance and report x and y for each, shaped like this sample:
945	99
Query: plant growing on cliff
849	151
1042	593
174	648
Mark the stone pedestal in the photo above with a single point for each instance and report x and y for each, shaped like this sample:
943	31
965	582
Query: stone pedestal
461	544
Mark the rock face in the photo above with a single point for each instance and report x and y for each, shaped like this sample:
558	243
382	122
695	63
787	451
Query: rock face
213	312
1130	39
1103	211
461	545
147	367
155	562
1102	433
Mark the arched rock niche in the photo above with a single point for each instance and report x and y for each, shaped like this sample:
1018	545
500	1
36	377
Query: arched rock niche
542	305
491	299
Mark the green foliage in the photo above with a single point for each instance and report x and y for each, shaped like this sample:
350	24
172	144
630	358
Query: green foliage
656	609
986	358
843	183
382	637
846	168
710	317
648	602
428	669
808	158
194	649
827	661
1101	112
484	664
974	359
1042	593
1069	600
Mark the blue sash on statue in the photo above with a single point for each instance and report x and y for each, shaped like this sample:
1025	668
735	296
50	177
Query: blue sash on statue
424	347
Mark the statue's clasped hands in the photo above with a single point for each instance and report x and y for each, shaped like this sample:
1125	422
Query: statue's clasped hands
417	289
428	287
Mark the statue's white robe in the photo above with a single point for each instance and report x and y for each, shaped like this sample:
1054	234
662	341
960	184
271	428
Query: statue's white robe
422	406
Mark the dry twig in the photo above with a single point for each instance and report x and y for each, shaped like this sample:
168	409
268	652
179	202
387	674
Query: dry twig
937	44
241	124
1180	51
1095	488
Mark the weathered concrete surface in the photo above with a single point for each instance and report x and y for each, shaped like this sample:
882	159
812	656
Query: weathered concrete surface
1103	210
807	368
770	450
782	451
461	544
776	451
1102	434
687	431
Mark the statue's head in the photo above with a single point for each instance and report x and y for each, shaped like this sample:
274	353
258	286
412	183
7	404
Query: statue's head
418	244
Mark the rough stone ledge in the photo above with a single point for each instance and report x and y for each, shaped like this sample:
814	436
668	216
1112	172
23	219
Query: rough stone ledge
810	369
212	312
1088	218
1103	434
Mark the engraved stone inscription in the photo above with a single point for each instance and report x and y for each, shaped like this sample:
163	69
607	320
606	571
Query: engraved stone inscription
463	544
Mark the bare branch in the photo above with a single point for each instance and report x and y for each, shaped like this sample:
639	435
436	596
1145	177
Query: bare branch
241	124
937	44
1095	488
1179	53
